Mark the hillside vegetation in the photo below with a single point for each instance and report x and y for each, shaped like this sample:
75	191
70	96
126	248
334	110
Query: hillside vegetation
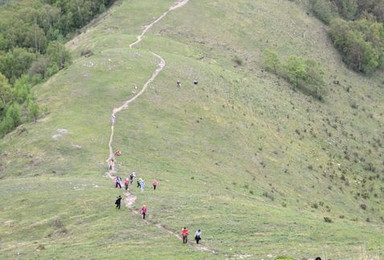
262	169
356	29
32	33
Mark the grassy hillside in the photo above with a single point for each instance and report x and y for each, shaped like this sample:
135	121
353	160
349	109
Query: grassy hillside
241	156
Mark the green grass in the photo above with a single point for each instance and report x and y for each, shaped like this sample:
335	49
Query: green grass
240	155
75	218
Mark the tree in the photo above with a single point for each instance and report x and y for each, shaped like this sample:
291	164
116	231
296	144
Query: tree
14	113
39	67
361	43
6	93
325	10
33	110
347	8
58	55
16	63
272	61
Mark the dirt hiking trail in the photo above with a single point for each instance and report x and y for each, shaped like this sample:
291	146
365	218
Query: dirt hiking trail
130	198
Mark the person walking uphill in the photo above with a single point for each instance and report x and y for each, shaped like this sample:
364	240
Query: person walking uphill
142	185
118	182
118	202
139	182
198	236
131	177
126	183
184	234
111	165
155	183
144	211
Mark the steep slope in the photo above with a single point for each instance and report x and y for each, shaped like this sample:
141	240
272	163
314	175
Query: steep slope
252	163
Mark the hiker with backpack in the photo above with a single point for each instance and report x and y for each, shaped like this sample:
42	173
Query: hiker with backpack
131	177
198	236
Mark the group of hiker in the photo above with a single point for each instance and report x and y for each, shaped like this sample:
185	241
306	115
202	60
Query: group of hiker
185	232
178	83
128	181
141	184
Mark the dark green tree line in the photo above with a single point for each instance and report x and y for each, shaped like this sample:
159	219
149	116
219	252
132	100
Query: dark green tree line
356	28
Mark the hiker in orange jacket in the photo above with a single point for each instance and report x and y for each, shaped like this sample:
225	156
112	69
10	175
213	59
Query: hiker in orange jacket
184	233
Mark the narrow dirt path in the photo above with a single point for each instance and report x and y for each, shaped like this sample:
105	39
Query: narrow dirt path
116	110
130	198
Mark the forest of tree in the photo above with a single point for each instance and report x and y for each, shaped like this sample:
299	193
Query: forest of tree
356	29
32	37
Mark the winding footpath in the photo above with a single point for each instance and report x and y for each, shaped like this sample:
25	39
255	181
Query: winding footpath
130	198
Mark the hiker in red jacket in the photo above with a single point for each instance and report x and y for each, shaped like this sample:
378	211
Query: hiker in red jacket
184	233
144	211
126	183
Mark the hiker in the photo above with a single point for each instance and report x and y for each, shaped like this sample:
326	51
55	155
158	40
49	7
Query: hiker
113	117
126	183
117	153
184	233
142	185
131	177
144	211
118	182
198	236
178	83
139	181
118	202
155	183
195	82
111	164
318	258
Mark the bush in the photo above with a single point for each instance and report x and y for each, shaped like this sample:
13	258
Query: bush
305	75
347	8
325	10
272	62
33	110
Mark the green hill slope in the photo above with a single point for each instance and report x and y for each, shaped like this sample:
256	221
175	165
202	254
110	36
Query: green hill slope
254	164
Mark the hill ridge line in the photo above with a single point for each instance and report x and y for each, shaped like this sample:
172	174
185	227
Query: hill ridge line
129	197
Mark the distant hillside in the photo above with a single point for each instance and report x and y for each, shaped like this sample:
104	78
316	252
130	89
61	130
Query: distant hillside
263	170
